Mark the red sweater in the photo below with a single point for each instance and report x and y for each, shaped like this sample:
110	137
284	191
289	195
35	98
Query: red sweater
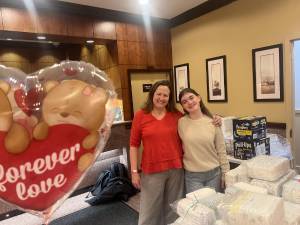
162	148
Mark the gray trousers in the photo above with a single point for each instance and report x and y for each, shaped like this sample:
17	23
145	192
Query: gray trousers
158	190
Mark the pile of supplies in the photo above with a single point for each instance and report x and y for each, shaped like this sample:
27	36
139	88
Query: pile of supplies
261	191
246	137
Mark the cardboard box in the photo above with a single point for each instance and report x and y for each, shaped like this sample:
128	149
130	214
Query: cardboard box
249	149
249	128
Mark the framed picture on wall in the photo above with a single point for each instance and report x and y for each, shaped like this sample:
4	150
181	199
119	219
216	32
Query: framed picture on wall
216	79
268	73
182	78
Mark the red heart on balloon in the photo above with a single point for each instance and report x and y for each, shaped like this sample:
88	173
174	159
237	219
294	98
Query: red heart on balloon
28	101
37	178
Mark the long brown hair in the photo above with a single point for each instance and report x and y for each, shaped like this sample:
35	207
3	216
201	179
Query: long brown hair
148	106
203	108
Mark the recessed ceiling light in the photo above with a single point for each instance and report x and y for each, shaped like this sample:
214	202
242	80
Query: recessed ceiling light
90	41
144	2
41	37
8	39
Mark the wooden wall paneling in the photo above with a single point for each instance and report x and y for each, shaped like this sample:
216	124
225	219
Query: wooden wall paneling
126	103
123	75
132	31
133	49
105	30
150	54
158	55
122	52
169	55
88	54
98	58
52	23
161	55
114	75
94	54
161	36
165	55
142	54
113	53
149	35
79	26
142	34
121	31
18	20
101	60
119	93
168	36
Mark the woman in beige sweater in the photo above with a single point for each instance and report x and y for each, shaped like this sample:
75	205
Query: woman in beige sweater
205	161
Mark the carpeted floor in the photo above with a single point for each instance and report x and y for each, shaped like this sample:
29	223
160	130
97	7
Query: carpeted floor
116	213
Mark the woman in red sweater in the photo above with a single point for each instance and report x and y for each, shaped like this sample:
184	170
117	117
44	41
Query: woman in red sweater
162	179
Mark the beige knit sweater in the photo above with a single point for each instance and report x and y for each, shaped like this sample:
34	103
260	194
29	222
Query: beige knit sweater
203	145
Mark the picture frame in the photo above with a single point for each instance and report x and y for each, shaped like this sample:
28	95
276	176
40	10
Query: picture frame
182	78
216	79
267	64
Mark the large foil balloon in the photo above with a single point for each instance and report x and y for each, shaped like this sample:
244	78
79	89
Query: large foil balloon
53	125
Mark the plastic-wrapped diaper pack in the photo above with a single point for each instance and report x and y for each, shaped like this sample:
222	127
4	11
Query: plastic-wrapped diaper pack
208	197
275	187
269	168
238	174
192	212
248	187
201	193
213	201
291	213
249	208
291	191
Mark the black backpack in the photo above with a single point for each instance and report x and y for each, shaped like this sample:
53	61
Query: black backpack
112	184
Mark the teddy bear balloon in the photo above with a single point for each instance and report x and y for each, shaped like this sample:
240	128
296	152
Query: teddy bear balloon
50	123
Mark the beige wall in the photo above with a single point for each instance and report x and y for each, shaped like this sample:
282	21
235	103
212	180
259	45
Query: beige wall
234	31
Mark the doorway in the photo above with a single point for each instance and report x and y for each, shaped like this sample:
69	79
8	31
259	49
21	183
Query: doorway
141	82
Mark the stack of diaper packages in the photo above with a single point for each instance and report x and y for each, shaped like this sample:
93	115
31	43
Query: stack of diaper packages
262	191
265	176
